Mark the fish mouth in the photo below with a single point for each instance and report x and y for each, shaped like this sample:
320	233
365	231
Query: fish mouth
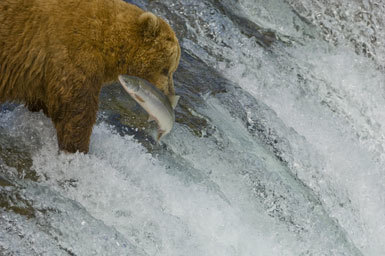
127	84
122	79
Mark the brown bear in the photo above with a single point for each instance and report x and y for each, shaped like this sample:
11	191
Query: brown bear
55	55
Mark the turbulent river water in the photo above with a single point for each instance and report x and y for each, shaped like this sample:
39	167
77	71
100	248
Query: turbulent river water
278	148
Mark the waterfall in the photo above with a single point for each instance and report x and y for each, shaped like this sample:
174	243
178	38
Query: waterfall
277	147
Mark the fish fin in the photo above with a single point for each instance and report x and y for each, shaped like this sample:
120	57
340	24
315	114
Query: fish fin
151	118
138	98
160	135
174	100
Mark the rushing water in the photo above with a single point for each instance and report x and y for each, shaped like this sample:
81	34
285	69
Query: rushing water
278	147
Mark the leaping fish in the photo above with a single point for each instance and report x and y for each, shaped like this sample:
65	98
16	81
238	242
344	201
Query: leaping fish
159	107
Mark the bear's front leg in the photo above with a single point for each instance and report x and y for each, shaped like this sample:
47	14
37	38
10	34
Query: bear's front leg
74	122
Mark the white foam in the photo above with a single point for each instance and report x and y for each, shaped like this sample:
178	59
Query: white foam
325	103
121	184
337	106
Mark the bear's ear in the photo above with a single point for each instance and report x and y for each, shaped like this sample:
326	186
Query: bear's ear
149	24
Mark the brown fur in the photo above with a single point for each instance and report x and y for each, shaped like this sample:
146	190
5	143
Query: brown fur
55	55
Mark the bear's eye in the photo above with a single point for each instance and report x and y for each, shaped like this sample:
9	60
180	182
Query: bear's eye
165	71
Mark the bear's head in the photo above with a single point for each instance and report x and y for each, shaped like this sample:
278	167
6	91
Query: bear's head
151	51
161	50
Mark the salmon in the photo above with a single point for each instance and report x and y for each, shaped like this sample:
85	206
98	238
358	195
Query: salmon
159	107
